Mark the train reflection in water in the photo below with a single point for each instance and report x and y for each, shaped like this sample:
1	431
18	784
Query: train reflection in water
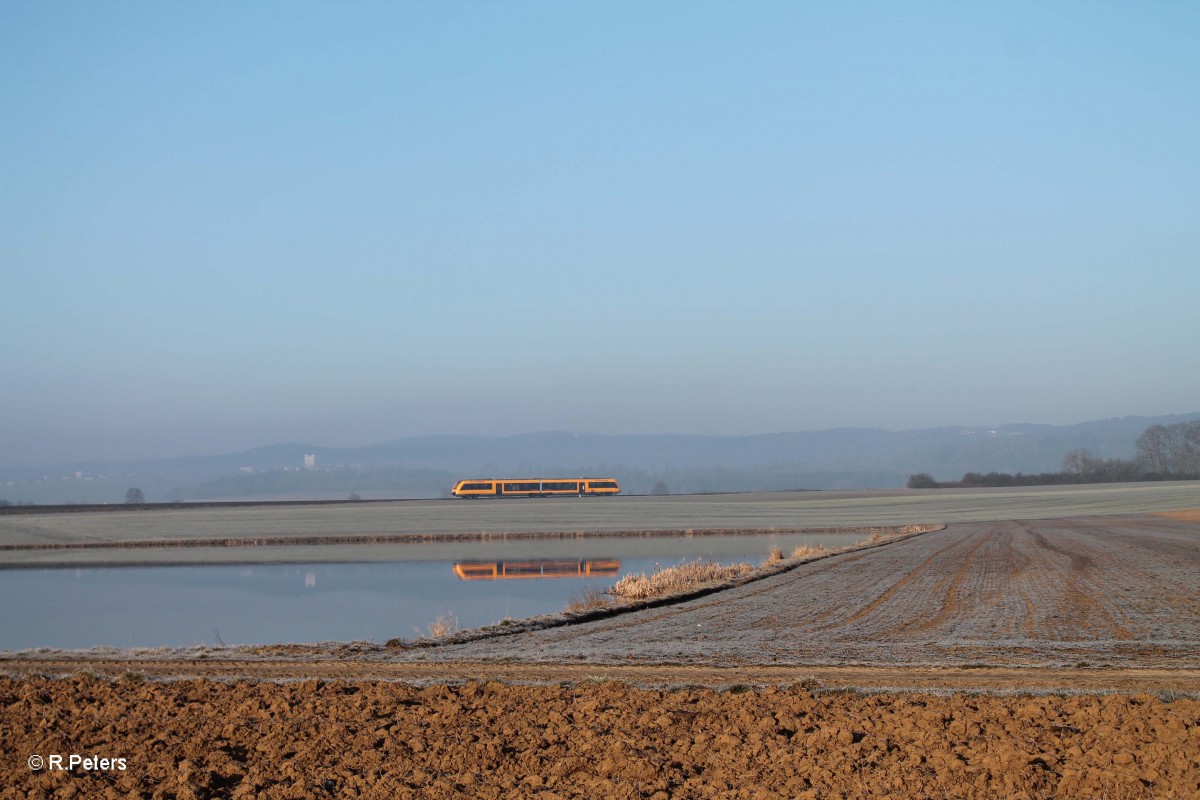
560	568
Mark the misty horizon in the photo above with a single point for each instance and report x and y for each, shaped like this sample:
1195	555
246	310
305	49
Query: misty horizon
369	442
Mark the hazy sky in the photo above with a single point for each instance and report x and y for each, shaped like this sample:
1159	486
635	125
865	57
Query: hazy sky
228	224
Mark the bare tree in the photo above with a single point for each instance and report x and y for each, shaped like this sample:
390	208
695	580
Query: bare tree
1081	463
1171	449
134	496
1191	447
1152	450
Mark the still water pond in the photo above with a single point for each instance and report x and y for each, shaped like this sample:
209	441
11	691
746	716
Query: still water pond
149	606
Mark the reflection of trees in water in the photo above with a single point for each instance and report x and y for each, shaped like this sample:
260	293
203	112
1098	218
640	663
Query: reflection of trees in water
559	568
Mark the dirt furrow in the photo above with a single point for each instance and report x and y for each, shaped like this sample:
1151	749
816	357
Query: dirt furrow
951	603
908	576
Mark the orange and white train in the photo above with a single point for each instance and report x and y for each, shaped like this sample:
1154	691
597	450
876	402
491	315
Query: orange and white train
536	487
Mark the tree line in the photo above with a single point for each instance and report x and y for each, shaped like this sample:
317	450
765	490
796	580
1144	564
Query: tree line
1164	453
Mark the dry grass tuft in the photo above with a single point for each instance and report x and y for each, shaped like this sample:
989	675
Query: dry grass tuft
806	550
878	535
445	625
906	529
588	600
681	578
773	557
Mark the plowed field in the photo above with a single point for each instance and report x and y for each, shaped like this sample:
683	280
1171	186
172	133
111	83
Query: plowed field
202	739
1091	592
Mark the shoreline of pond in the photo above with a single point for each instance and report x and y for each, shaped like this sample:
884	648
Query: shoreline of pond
356	548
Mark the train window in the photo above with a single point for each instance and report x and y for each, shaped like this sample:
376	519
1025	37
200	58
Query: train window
476	487
475	570
532	568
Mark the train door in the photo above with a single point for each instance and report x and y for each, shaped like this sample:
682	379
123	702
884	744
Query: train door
499	488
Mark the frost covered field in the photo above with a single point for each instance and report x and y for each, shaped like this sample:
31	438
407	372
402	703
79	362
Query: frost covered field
21	527
1094	592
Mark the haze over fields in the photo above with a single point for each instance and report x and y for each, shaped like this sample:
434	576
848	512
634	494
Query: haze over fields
225	226
427	466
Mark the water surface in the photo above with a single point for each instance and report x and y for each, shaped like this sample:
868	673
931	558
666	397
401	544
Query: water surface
150	606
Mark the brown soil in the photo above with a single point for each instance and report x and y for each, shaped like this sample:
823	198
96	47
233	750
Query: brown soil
1186	515
205	739
303	662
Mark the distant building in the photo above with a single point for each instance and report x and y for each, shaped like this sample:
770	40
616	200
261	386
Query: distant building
310	461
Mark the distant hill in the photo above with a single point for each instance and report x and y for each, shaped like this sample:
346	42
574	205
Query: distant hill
424	466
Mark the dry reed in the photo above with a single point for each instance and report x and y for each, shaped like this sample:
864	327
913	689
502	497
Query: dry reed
589	599
680	578
773	557
445	625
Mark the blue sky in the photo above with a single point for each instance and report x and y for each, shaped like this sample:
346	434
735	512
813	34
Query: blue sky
226	224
